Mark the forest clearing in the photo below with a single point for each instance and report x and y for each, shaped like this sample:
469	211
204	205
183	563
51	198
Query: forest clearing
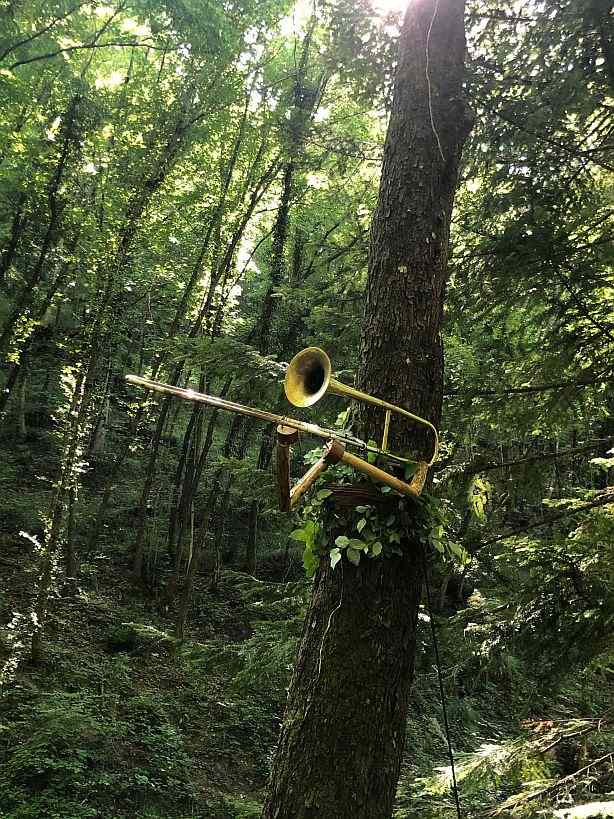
306	409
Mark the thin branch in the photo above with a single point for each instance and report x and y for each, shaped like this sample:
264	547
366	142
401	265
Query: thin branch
109	44
40	32
571	151
555	785
526	390
603	499
476	466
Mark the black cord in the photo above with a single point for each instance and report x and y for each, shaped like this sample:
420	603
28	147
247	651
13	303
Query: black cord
440	678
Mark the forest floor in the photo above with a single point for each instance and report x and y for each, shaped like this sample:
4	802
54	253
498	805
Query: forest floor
120	720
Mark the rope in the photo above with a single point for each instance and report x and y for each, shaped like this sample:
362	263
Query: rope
440	679
428	79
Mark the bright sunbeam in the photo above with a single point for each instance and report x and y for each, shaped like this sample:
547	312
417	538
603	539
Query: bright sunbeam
383	7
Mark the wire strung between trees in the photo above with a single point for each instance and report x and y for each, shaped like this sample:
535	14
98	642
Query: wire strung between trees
440	680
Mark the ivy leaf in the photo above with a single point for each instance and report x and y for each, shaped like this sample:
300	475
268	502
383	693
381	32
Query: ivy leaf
324	493
353	556
376	549
342	541
299	534
361	524
310	562
335	557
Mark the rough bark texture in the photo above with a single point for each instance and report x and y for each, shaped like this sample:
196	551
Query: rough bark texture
344	727
401	355
344	730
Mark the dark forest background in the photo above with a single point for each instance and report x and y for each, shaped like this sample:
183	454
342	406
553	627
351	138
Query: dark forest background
186	190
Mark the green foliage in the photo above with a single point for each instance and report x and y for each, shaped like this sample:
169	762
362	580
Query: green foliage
479	494
70	746
143	152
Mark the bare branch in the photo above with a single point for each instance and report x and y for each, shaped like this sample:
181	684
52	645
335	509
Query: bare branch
478	466
529	389
108	44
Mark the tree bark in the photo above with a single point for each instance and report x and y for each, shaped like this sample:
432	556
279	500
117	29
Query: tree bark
343	735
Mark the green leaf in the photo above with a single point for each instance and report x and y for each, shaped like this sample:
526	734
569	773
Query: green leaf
410	469
324	493
376	549
299	534
335	557
353	556
310	561
361	524
342	541
372	456
479	496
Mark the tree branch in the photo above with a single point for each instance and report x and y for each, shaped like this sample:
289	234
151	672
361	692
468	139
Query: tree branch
554	785
40	32
526	390
603	499
109	44
477	466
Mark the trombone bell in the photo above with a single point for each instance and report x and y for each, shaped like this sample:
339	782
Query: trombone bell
307	377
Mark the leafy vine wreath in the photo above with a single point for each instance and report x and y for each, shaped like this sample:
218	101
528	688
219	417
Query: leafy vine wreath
372	530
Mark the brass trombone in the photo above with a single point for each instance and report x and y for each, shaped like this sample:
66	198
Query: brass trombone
308	378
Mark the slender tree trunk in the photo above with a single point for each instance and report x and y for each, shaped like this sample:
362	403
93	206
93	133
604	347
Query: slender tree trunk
29	343
17	228
252	539
21	406
196	557
343	734
220	271
75	425
70	553
52	233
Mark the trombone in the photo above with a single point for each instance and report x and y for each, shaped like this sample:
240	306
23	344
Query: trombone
308	378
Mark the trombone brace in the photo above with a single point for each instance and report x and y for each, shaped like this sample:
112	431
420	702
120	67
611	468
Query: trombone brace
334	452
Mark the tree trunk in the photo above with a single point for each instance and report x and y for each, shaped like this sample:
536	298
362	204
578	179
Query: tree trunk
21	406
70	555
75	425
17	228
251	549
52	234
343	735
